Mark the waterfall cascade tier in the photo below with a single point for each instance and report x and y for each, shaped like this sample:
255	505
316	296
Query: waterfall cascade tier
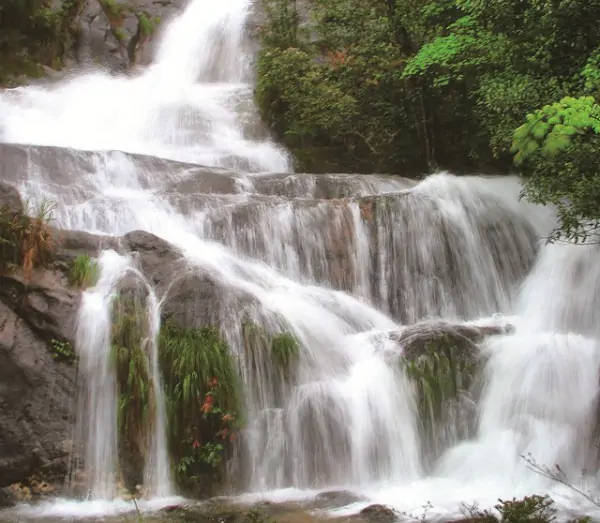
344	263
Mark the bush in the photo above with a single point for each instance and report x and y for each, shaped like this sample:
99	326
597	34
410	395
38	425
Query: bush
26	241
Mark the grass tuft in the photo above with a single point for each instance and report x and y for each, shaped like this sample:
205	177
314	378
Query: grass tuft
84	272
25	238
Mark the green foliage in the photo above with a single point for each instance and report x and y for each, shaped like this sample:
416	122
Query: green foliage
556	149
130	356
285	349
147	24
553	128
282	347
34	32
25	238
202	389
116	11
591	74
336	94
62	351
83	272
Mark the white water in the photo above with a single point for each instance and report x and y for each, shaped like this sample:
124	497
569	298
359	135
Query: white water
192	104
97	413
450	247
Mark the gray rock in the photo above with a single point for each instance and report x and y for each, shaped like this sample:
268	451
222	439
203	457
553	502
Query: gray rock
98	42
10	199
37	392
43	302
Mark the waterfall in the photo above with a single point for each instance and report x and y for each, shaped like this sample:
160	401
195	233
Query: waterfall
99	400
344	263
193	104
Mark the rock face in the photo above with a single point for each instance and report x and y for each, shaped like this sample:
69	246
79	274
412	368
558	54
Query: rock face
10	199
120	33
36	388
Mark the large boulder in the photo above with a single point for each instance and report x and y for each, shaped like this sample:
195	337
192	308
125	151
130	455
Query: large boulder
443	360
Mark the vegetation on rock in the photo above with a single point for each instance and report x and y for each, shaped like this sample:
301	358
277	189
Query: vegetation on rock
83	272
282	347
533	509
25	238
117	13
130	353
63	351
203	401
35	33
441	374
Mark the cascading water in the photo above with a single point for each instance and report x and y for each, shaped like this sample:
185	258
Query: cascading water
192	104
334	269
99	400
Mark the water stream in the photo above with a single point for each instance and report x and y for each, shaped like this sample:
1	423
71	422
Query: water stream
461	249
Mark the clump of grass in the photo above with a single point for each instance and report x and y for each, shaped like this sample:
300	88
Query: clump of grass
285	349
531	509
25	238
84	272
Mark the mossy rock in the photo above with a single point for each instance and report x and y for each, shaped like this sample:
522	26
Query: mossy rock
442	361
417	340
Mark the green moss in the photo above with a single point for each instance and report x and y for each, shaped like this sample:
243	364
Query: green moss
440	374
115	11
285	349
147	24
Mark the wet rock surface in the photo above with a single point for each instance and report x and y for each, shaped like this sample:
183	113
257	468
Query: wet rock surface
21	164
416	340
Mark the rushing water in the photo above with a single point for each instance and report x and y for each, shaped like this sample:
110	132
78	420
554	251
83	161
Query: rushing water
340	272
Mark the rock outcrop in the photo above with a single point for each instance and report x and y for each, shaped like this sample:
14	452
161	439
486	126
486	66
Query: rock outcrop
416	340
37	389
